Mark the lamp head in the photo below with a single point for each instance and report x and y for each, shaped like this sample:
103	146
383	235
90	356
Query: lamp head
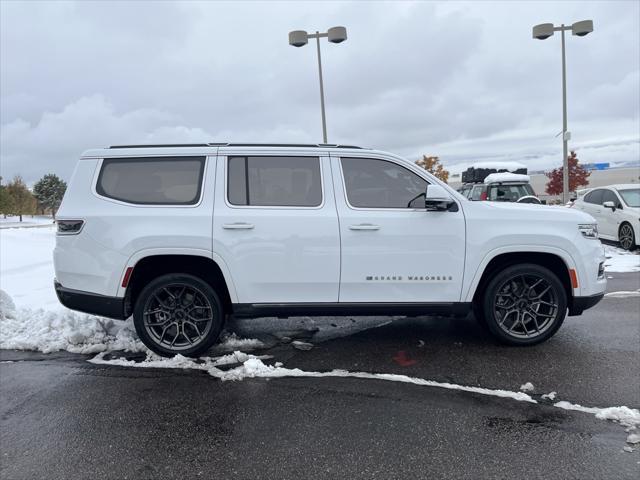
582	28
337	34
298	38
543	31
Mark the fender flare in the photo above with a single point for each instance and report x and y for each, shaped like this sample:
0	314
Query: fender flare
470	290
152	252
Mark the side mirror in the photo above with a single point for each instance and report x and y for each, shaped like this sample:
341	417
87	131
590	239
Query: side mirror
610	205
436	198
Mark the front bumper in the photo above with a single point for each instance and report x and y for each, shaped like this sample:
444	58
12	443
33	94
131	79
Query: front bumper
580	304
102	305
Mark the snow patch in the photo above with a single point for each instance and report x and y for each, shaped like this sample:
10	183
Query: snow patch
179	361
527	387
252	367
506	177
299	345
549	396
51	331
233	342
620	260
625	416
623	294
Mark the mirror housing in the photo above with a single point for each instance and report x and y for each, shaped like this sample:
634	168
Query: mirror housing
437	199
610	205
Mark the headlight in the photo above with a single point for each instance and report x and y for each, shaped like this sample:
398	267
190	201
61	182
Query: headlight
589	230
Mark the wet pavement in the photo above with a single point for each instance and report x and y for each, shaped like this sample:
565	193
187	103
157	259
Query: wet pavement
64	418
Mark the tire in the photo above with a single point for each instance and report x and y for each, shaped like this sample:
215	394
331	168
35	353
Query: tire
524	305
178	314
626	236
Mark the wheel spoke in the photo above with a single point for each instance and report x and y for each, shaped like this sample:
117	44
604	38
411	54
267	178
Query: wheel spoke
537	297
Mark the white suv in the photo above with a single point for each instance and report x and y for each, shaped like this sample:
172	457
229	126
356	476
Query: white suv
180	236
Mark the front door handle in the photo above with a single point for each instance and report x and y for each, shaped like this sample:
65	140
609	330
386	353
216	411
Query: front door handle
364	226
238	226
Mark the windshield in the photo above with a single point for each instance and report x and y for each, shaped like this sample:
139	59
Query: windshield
631	196
509	193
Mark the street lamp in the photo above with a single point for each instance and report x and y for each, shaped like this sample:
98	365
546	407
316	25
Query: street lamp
299	38
542	32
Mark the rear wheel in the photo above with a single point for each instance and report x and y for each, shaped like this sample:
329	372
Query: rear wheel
626	237
524	304
178	313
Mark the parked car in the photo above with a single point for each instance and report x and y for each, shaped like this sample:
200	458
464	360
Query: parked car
617	211
182	236
501	187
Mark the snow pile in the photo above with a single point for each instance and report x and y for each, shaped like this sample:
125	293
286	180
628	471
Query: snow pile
506	177
233	342
625	416
621	261
527	387
179	361
50	331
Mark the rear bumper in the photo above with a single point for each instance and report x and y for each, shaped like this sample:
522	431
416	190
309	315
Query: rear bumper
102	305
580	304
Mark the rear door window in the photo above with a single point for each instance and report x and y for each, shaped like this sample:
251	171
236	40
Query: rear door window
594	197
274	181
152	180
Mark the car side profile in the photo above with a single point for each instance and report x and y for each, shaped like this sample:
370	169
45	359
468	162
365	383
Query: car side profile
182	236
616	208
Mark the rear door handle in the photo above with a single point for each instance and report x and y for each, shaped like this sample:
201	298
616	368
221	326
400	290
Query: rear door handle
364	226
237	226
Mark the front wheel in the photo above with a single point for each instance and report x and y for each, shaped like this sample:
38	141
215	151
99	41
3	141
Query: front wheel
524	304
627	237
178	313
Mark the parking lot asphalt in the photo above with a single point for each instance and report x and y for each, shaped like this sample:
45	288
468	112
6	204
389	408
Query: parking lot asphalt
64	418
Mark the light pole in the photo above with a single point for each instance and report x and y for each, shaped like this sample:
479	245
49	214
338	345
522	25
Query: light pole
299	38
542	32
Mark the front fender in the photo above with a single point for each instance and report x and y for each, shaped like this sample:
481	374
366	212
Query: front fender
471	282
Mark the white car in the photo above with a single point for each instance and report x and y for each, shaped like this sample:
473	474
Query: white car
181	236
617	210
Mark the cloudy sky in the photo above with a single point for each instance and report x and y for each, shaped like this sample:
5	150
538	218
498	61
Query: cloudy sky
464	81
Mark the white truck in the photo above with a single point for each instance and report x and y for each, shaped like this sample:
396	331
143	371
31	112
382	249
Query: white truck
181	236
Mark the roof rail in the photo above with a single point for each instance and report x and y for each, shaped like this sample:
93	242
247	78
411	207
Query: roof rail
166	145
225	144
313	145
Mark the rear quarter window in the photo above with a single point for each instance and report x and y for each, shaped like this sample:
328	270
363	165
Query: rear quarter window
152	180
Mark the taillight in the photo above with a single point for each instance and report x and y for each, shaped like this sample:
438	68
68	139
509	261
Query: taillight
483	196
69	227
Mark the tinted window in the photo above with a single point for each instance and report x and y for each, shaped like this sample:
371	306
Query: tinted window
274	181
609	196
509	193
374	183
476	192
152	180
594	197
